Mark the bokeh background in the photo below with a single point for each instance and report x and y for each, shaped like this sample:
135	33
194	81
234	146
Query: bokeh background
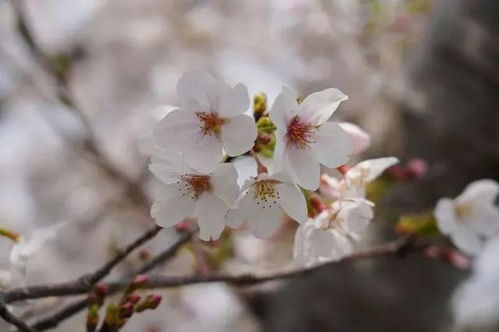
423	80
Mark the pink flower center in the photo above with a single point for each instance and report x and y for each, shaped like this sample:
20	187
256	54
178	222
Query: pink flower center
211	123
266	194
193	185
300	134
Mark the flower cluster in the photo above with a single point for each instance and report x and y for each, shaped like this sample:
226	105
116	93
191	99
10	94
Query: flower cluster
331	234
224	165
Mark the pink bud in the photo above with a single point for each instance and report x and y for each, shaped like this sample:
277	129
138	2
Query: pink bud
126	310
140	280
416	168
101	289
154	300
133	298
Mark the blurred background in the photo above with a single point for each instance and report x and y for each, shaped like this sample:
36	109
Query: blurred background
82	82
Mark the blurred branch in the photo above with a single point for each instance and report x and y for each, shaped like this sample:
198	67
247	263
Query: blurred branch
82	284
399	246
89	146
75	307
12	319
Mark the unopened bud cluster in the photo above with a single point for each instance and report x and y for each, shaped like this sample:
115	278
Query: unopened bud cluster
118	314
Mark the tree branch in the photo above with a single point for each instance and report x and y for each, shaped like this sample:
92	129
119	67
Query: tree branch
75	307
78	287
12	319
89	146
82	284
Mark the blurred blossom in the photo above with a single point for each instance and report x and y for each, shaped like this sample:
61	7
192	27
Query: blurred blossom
476	301
472	217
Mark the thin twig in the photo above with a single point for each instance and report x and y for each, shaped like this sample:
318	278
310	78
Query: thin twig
89	146
82	284
12	319
75	288
75	307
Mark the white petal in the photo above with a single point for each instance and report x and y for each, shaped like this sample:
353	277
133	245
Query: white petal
264	221
167	165
479	191
246	168
374	167
319	106
176	130
236	102
303	166
444	213
239	134
292	202
170	207
360	139
198	91
236	216
283	110
333	146
466	240
224	182
210	212
279	149
356	215
205	155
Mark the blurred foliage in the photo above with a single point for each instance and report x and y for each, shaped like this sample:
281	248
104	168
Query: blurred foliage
422	224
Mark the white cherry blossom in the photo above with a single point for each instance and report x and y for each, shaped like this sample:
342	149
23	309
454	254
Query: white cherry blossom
476	302
22	251
190	193
470	218
211	120
355	180
304	138
330	235
261	202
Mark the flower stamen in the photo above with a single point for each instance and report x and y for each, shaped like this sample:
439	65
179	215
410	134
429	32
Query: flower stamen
211	123
266	194
463	210
194	185
300	134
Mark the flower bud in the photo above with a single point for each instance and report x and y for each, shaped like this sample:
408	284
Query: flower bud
101	289
139	281
259	104
126	310
151	302
133	298
92	318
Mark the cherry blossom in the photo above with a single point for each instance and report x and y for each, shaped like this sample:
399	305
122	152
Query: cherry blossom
476	302
304	138
261	202
24	249
211	120
190	193
355	179
470	218
330	235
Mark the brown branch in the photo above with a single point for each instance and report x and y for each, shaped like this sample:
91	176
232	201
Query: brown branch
75	307
397	247
78	287
12	319
82	284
